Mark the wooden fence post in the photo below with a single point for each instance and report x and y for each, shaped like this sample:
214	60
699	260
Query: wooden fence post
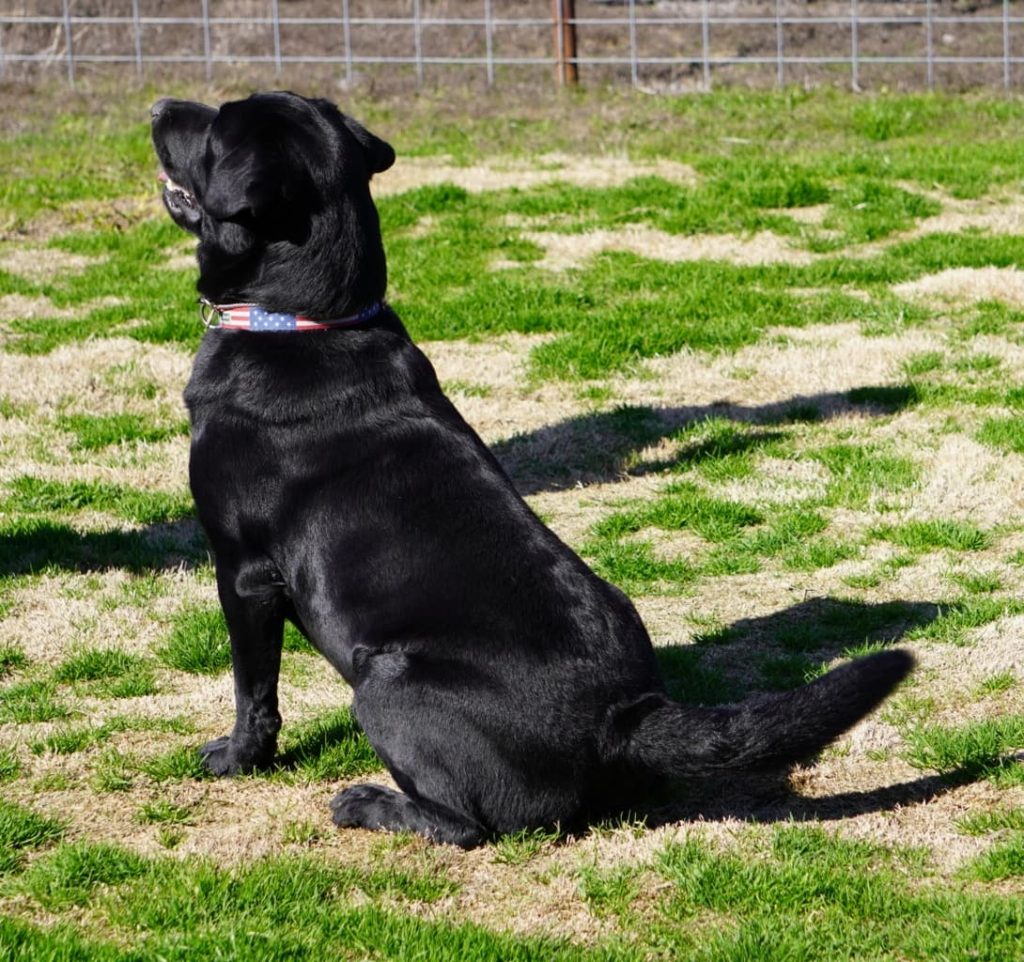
563	16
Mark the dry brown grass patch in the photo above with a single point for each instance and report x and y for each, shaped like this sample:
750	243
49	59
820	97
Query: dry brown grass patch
502	173
40	264
566	251
967	285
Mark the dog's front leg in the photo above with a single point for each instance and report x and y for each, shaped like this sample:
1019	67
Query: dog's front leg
255	618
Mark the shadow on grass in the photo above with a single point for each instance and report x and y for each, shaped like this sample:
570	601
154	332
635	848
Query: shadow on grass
769	799
327	748
29	545
604	445
782	650
728	665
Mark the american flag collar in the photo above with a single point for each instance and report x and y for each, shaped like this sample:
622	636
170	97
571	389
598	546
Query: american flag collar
252	317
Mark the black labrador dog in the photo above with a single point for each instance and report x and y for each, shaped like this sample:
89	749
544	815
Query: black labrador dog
504	685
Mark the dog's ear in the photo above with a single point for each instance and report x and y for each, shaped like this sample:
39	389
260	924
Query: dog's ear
380	155
244	183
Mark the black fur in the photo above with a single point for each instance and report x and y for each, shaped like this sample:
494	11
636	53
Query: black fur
504	685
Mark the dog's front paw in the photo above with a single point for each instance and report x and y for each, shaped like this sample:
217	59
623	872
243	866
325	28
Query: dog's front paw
222	758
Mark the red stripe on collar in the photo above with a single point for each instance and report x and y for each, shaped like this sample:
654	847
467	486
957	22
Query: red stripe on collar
252	317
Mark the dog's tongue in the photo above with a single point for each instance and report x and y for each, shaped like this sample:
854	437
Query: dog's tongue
162	177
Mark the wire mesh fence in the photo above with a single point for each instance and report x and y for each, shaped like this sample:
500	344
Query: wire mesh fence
658	44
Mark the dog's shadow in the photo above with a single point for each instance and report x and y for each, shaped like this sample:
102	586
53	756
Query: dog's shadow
818	629
606	445
37	544
771	799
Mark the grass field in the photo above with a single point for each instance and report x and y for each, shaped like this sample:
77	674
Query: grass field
759	358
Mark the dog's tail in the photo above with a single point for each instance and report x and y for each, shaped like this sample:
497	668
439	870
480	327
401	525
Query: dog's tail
669	739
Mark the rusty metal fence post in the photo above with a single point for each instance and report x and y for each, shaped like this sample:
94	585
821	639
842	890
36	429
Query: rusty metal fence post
563	17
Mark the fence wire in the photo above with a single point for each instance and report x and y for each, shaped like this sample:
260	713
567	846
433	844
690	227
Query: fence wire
658	44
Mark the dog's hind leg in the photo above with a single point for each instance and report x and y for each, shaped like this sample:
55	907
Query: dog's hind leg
376	807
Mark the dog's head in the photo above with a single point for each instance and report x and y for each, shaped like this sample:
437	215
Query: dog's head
276	188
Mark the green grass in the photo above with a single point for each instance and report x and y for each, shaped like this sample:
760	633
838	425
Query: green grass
957	618
1004	434
137	685
609	892
783	672
721	450
887	398
94	664
633	566
977	583
689	680
160	812
881	572
923	536
975	750
69	739
520	847
828	624
178	763
278	908
681	506
93	432
198	642
326	748
32	544
29	702
1004	861
997	683
70	874
10	767
108	673
22	829
996	820
113	773
814	896
303	832
860	472
12	658
35	495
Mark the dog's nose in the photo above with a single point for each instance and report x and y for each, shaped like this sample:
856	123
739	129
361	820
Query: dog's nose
158	108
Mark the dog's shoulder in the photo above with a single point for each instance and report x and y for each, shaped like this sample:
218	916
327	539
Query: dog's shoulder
293	377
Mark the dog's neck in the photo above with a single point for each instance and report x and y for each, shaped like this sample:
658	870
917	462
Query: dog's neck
252	317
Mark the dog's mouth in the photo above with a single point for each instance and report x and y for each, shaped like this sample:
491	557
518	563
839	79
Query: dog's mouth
177	193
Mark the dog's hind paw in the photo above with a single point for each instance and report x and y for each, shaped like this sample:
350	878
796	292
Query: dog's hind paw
364	806
376	807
